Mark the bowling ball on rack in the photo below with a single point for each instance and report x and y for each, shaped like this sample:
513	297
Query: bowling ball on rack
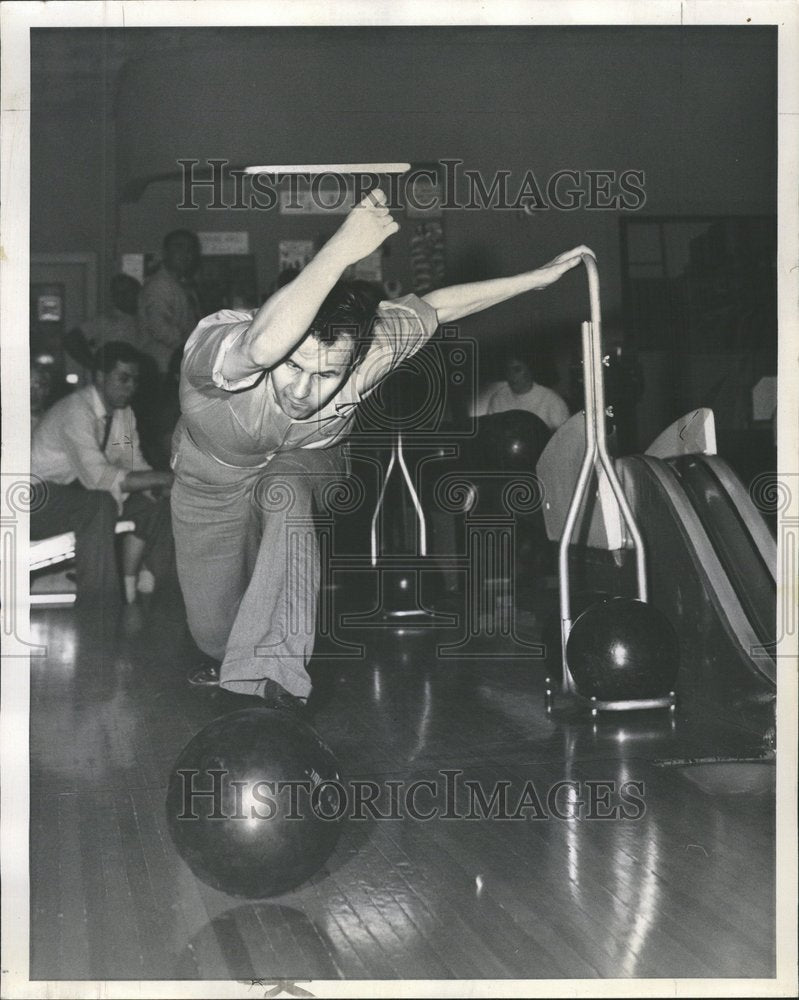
551	630
623	649
512	440
254	803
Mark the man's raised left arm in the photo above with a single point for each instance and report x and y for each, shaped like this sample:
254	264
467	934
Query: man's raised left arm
458	301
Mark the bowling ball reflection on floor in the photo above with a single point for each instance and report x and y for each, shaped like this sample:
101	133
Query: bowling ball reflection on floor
249	943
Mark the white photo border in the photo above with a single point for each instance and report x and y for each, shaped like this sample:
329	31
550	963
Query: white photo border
16	20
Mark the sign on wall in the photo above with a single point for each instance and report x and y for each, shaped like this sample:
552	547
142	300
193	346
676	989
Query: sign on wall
132	264
223	244
293	255
319	199
370	268
427	256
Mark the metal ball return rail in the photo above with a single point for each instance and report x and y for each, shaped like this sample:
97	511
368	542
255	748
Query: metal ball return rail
596	458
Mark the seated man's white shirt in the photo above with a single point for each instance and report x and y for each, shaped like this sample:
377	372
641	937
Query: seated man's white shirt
545	403
67	444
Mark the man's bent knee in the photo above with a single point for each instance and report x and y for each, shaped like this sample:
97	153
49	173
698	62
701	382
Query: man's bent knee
284	490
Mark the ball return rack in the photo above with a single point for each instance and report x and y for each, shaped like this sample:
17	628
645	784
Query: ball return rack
596	459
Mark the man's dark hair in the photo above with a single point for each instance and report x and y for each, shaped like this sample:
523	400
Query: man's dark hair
181	234
540	364
348	311
522	356
106	358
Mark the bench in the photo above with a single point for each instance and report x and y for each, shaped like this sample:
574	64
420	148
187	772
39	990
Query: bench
58	549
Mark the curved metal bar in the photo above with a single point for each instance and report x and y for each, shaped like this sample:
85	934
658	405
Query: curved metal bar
595	458
417	503
593	287
581	487
379	503
398	456
599	418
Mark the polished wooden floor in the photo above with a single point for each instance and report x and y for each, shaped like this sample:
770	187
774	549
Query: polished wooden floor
685	890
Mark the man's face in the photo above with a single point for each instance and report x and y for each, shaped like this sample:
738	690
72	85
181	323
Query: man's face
519	376
311	376
118	386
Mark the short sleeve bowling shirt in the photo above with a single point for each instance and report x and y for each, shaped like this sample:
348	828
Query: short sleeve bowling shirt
240	423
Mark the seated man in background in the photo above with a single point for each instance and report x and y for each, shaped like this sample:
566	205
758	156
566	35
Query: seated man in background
88	471
521	392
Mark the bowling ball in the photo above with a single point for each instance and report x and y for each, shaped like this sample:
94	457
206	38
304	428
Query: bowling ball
623	649
236	827
550	633
512	440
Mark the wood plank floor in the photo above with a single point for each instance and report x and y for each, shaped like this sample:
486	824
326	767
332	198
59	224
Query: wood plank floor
685	890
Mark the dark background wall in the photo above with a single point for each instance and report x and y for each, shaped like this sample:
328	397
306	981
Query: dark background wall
693	108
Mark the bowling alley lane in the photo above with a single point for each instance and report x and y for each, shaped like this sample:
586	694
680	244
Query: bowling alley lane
557	876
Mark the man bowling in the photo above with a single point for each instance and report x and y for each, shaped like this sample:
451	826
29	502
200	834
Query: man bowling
267	401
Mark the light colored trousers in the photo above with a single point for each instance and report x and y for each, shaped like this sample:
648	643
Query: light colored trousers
248	563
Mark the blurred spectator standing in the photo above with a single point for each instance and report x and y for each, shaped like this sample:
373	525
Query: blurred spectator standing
169	308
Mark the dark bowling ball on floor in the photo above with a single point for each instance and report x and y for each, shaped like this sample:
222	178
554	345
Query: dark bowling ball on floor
252	839
623	649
